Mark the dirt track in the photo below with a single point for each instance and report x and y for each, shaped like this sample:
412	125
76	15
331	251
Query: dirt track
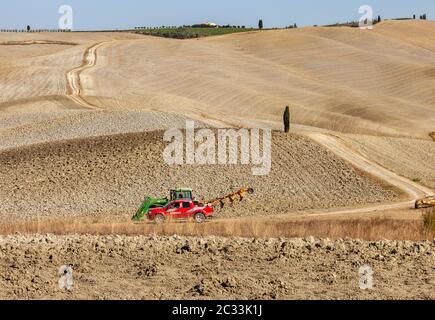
213	268
413	159
413	190
75	90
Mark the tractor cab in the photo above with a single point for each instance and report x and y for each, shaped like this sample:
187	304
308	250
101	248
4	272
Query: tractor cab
181	193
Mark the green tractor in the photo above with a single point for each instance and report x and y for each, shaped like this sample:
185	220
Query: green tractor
150	203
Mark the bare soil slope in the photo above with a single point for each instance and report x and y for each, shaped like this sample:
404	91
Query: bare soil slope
112	175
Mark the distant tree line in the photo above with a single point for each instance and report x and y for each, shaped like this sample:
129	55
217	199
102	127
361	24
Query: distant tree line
292	26
355	24
35	30
234	27
189	26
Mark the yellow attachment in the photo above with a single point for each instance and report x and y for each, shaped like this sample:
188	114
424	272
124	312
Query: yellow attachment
425	203
231	197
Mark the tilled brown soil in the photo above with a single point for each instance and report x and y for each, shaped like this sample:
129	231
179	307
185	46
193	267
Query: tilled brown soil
112	174
213	268
37	127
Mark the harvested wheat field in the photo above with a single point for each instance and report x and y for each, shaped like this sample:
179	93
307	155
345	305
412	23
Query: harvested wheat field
82	120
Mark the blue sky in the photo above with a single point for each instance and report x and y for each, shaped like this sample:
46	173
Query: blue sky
111	14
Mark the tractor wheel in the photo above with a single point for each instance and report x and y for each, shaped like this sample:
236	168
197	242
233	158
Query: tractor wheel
199	217
159	219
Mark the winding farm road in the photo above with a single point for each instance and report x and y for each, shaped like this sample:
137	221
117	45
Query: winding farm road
412	189
75	90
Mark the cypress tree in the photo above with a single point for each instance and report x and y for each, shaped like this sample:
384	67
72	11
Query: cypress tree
287	120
